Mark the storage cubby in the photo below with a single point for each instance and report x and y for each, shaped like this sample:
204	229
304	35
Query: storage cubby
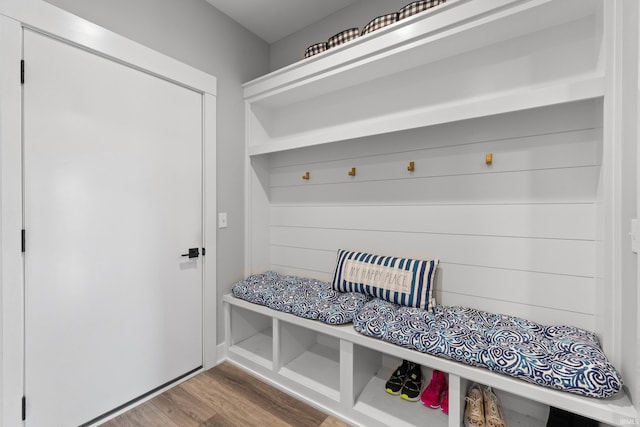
373	401
518	411
251	336
310	358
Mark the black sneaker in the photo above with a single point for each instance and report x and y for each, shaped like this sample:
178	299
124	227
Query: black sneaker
413	383
396	380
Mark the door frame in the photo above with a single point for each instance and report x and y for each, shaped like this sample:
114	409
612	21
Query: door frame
43	17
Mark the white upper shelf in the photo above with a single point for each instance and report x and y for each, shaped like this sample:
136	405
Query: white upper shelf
587	87
455	28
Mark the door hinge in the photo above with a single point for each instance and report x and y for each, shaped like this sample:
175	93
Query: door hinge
635	244
203	251
22	71
24	244
24	408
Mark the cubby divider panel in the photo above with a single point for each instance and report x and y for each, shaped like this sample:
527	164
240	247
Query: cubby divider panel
366	364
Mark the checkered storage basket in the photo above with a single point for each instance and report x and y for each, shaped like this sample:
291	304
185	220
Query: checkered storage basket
417	7
343	37
380	22
315	49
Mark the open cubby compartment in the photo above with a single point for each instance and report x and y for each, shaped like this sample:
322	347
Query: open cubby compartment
371	370
518	411
251	336
310	358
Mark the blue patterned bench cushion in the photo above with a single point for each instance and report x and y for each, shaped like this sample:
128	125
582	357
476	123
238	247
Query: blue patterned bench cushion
560	357
404	281
308	298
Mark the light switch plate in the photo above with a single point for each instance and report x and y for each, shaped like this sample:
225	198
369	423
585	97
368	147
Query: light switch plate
222	220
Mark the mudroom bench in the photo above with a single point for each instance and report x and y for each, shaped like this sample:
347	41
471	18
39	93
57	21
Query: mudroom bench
342	371
486	134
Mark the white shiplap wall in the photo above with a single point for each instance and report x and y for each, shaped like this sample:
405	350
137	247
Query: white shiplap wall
515	237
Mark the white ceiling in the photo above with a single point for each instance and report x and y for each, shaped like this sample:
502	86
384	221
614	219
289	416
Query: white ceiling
272	20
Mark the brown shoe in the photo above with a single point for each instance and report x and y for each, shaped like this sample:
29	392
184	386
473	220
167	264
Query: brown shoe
474	411
492	412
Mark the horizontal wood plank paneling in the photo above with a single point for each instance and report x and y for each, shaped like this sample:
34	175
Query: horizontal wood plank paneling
301	272
547	299
517	236
541	255
542	315
557	221
321	261
522	287
567	185
549	151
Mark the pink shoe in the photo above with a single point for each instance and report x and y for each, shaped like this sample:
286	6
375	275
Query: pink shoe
431	395
444	405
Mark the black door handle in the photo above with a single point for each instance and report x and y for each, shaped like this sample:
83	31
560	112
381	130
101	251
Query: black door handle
193	253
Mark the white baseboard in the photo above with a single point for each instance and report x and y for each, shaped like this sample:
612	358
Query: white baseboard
221	352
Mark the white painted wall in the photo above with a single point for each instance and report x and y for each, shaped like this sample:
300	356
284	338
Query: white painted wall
194	32
291	49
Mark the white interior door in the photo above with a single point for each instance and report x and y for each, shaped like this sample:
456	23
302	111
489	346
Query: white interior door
112	198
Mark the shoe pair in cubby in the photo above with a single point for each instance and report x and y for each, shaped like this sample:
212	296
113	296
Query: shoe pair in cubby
406	381
482	409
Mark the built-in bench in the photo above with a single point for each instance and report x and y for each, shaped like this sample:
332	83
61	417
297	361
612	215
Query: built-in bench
340	370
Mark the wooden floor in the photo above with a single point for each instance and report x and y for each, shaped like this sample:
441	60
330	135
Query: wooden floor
224	396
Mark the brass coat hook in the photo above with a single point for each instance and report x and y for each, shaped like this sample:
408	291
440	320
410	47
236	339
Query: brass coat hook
488	159
411	167
352	172
306	175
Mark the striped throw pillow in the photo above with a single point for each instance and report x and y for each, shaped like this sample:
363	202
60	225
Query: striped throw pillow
402	281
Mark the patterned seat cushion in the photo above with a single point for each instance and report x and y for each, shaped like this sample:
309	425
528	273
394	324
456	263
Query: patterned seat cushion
560	357
308	298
